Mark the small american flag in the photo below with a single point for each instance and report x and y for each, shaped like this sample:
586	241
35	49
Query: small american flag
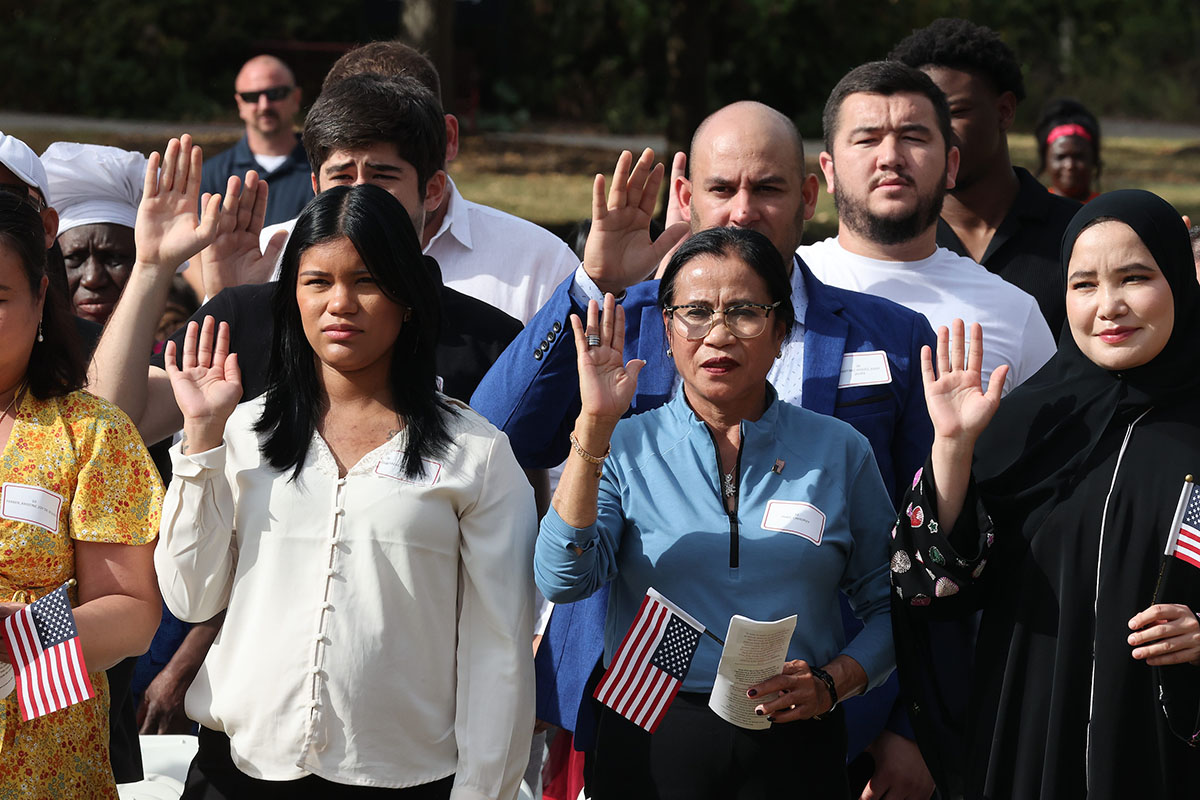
651	662
43	645
1184	541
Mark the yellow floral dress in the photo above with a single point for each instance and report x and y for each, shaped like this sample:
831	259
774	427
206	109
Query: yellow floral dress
83	455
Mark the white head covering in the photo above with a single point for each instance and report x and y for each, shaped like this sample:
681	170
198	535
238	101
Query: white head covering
18	157
94	183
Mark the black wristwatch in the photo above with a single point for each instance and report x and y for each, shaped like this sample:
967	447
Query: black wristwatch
826	679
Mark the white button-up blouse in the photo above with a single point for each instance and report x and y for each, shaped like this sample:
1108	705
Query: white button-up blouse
379	627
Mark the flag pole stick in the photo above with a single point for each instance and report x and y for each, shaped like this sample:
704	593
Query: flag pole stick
1184	495
713	636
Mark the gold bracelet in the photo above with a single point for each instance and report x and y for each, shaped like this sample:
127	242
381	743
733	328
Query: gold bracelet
588	457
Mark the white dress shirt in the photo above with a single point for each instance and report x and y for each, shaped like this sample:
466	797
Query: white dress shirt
503	260
378	628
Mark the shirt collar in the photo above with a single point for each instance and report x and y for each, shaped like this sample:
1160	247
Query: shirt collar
457	222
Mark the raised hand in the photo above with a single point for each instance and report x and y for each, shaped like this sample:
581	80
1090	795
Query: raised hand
958	406
168	231
619	251
207	387
606	382
233	257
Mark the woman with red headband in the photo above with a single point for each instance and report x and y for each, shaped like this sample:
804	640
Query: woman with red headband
1068	137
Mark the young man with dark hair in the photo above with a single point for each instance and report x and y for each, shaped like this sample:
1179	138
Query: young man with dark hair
504	260
997	214
888	165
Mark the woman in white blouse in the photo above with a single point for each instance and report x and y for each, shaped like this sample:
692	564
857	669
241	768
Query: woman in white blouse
370	539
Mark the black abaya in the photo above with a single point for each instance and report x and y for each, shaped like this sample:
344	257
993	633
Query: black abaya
1080	473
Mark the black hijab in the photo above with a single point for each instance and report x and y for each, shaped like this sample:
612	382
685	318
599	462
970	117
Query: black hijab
1065	408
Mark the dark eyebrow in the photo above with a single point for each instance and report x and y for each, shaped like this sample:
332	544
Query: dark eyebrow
375	165
911	127
1136	266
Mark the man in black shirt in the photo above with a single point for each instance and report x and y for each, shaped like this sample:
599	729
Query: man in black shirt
997	214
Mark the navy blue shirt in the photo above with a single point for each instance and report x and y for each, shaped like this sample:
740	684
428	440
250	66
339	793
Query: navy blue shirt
291	182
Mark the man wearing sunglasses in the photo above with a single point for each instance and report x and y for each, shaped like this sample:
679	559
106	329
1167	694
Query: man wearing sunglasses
268	99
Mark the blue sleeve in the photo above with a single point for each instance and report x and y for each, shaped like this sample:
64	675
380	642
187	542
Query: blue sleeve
866	578
914	433
563	576
532	391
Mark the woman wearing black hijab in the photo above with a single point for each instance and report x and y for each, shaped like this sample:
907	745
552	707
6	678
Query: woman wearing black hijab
1086	674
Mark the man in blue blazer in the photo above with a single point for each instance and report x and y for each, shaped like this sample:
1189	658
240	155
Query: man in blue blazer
854	356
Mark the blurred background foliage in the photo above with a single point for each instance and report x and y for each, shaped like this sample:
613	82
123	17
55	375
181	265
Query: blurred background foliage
626	65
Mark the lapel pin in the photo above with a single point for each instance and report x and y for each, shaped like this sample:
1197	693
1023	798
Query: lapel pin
778	468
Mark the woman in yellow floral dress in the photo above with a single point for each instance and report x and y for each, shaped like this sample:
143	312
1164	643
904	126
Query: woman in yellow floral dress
80	472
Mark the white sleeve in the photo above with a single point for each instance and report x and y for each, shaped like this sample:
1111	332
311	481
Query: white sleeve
197	552
495	701
1037	345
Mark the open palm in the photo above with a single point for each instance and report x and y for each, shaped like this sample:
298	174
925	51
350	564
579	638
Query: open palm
606	382
619	251
209	384
958	406
168	231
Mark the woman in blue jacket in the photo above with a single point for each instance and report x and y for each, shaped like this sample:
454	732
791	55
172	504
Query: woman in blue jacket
728	501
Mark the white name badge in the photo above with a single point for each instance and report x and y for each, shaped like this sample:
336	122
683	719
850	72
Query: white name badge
864	369
390	466
790	516
31	504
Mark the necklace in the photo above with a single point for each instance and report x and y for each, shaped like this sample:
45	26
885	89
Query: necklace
16	394
728	485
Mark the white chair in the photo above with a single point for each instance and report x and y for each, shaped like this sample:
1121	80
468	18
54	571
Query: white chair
165	761
525	793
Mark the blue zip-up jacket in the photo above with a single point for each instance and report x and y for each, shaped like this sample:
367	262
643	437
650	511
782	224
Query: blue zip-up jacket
661	522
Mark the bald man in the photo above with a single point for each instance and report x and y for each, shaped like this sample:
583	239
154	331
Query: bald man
849	355
267	100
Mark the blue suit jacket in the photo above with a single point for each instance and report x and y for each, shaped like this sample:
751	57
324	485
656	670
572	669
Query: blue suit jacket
532	394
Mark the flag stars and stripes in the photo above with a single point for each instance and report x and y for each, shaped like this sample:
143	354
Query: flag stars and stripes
1186	545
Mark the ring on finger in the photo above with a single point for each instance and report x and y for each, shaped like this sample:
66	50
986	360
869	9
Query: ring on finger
593	340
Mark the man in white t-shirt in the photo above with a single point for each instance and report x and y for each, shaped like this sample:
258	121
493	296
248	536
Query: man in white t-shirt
888	163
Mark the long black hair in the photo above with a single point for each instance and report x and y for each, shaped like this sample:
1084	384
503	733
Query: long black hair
56	364
382	233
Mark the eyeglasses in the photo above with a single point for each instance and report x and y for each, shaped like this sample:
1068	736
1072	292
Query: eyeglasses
26	195
274	94
745	320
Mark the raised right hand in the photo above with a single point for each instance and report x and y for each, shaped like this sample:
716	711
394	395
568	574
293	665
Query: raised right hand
958	406
168	230
208	386
606	382
619	251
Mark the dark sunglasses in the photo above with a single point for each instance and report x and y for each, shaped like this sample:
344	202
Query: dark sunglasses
274	94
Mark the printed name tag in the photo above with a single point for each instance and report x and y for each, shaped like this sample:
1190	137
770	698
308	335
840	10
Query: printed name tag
790	516
31	504
390	467
864	369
